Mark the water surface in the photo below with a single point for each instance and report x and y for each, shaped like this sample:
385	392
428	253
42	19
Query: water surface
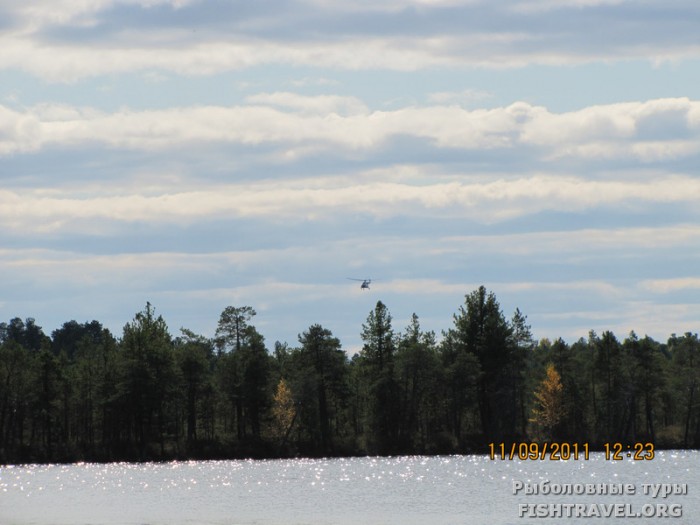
405	490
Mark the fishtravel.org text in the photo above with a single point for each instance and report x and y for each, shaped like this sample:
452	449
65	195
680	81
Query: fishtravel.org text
655	491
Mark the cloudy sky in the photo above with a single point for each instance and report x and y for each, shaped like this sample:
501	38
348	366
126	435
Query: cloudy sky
204	153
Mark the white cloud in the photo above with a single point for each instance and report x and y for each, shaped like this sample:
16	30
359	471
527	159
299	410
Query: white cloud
597	287
665	286
420	287
598	132
70	63
571	244
385	5
514	41
313	81
38	12
311	105
466	97
611	122
321	199
647	317
541	6
432	199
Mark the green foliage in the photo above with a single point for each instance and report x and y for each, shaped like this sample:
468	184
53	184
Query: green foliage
482	331
81	394
16	397
419	377
233	329
146	379
243	373
320	370
685	352
193	358
379	383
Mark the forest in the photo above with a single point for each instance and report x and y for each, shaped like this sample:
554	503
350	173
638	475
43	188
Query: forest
85	394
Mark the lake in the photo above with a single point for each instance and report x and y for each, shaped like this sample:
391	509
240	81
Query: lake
408	490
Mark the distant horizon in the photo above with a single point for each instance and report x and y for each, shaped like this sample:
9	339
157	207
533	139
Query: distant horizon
398	327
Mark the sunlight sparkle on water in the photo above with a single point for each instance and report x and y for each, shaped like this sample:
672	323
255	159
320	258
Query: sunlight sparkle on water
408	490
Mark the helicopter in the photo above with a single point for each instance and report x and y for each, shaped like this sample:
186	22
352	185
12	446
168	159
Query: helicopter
365	283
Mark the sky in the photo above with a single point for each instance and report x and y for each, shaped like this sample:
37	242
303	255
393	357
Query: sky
199	154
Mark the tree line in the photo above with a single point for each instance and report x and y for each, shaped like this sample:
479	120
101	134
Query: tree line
84	394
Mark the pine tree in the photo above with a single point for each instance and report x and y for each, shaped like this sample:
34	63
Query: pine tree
377	362
146	378
482	330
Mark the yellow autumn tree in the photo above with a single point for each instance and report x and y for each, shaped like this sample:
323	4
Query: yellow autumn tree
283	410
549	408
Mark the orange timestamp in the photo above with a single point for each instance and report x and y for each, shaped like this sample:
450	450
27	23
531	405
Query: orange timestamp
635	451
564	451
554	451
